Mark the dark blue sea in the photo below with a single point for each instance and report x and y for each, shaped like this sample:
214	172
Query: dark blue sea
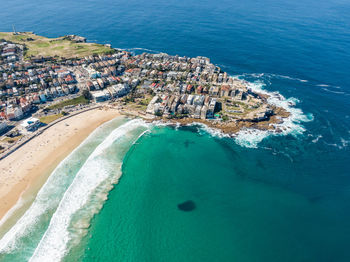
273	198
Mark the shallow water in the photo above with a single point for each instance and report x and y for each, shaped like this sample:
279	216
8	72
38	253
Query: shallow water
250	205
257	197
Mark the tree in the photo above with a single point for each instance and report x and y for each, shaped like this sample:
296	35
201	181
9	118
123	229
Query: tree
158	113
87	94
224	118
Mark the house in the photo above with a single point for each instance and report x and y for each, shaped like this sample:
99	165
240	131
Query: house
69	79
214	91
189	88
94	74
199	89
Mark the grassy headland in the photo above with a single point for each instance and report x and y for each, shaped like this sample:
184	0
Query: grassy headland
51	47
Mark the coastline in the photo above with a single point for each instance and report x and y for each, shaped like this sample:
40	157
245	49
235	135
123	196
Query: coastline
35	160
240	106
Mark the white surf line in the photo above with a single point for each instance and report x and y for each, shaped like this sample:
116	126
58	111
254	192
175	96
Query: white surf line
21	201
53	245
271	75
40	205
250	137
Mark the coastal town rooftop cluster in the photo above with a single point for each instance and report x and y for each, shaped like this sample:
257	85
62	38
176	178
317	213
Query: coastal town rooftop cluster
174	86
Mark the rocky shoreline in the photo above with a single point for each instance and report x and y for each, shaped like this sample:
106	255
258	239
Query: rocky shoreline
230	128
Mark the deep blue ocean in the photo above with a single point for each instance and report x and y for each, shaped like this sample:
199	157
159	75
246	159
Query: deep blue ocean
287	198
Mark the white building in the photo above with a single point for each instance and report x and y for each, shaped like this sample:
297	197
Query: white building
121	89
151	106
190	99
14	112
100	96
31	124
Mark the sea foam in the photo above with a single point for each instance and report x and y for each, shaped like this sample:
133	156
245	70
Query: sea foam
47	198
251	137
91	183
292	125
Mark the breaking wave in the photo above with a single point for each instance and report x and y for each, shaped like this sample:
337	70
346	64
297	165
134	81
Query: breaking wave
212	131
87	193
315	140
52	190
21	201
251	137
342	144
292	125
140	49
270	76
334	92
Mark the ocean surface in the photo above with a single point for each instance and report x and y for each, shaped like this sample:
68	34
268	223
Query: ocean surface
190	194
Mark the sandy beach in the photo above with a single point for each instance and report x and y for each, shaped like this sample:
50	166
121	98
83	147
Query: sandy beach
29	166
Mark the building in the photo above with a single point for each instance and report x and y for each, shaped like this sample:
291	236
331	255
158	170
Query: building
204	112
197	112
151	105
211	108
31	124
121	90
189	99
100	96
14	112
3	126
225	90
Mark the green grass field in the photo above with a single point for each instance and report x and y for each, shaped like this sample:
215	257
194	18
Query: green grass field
50	118
74	101
43	46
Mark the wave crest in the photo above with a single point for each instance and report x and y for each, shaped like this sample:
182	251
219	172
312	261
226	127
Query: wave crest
292	125
90	186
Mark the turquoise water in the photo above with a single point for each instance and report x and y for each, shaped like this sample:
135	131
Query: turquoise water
74	179
242	212
248	204
257	197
